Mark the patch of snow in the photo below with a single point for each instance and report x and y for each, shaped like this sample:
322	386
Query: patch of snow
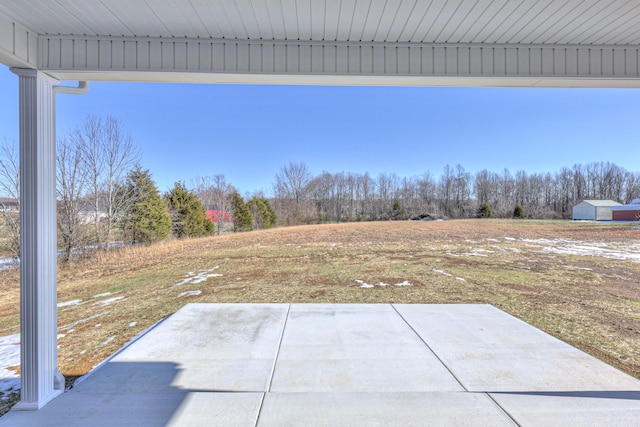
363	284
183	282
189	293
442	272
492	240
106	294
98	325
108	301
68	303
510	238
61	336
9	356
405	283
86	319
133	323
7	263
198	277
460	279
483	250
108	340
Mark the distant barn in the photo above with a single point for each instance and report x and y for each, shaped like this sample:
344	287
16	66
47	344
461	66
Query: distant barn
630	212
594	210
218	215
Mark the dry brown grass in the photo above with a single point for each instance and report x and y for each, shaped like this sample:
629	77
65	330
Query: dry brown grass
591	302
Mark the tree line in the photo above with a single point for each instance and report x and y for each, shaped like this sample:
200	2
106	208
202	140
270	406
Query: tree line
300	197
104	196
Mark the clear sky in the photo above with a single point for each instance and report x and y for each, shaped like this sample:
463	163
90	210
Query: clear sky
249	132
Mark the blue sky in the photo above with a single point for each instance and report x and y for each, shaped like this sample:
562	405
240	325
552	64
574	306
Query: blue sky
249	132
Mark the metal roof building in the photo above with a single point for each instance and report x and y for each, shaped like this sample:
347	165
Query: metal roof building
594	210
630	212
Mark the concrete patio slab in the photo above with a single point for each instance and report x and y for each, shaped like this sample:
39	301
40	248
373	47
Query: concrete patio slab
489	350
381	409
357	348
332	365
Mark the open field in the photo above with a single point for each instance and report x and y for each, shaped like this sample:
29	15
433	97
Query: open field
576	281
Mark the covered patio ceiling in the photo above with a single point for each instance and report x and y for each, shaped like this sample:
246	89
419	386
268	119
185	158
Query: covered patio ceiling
586	43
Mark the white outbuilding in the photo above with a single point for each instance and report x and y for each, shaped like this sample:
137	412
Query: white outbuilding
594	210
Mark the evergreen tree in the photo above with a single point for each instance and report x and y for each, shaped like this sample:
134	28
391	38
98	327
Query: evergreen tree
484	211
146	217
397	211
263	214
187	213
519	212
243	221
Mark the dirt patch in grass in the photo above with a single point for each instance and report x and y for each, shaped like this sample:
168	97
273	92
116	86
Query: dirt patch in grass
576	281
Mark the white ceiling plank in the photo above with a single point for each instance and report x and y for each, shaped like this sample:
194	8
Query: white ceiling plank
317	12
601	27
359	19
415	21
502	20
303	12
209	17
533	22
374	15
345	19
580	18
461	13
181	19
563	17
400	20
137	17
475	21
520	17
445	11
290	20
44	16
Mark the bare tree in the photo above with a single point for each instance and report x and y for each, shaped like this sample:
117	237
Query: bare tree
292	184
10	192
71	182
109	154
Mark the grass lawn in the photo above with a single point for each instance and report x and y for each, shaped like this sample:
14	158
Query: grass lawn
577	281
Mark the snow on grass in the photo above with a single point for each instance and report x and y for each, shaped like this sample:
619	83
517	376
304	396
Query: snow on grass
131	324
105	294
108	301
198	277
69	303
189	294
77	322
9	356
363	284
442	272
108	340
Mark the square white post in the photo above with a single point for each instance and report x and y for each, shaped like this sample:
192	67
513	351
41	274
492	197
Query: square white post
41	379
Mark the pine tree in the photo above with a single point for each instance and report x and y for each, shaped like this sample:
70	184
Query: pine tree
187	213
146	217
243	221
263	214
519	213
485	211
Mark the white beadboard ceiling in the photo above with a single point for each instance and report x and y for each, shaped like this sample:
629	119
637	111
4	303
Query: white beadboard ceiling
585	43
546	22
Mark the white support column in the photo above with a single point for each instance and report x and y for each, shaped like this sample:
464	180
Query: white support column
41	380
